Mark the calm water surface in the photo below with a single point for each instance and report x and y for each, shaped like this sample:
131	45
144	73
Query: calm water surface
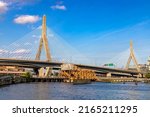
65	91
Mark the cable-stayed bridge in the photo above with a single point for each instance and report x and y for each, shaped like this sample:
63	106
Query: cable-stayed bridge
48	50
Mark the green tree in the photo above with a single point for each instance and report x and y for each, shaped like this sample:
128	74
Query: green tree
147	75
27	75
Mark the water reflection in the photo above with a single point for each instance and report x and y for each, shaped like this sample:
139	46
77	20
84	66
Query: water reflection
65	91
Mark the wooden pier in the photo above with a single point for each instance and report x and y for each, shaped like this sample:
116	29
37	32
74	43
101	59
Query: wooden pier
52	79
119	80
8	80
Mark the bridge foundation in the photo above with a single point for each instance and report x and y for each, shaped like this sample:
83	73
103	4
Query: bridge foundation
41	72
109	74
140	75
44	72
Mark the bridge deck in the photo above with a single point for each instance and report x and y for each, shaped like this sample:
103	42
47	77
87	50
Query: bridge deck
39	64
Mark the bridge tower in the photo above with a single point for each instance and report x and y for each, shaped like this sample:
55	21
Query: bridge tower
43	42
132	57
44	72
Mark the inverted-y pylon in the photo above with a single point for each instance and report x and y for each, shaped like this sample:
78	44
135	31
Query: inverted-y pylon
43	42
132	57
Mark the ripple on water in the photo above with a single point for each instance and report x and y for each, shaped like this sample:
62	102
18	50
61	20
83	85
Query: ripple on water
66	91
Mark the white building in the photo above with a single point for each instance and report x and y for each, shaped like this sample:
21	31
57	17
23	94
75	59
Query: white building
148	63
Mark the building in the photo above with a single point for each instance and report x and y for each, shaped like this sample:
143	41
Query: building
148	64
143	67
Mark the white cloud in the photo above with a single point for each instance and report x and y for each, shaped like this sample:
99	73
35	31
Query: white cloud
3	7
15	4
59	7
21	2
3	51
24	19
20	51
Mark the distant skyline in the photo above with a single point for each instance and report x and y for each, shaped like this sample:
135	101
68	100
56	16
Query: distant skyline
97	28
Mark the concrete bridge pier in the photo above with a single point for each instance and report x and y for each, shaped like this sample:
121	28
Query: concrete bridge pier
108	74
41	72
140	75
48	71
44	72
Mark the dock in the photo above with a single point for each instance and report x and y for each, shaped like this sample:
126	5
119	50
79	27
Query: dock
119	80
9	80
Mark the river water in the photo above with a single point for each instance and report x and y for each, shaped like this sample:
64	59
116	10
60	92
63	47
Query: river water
66	91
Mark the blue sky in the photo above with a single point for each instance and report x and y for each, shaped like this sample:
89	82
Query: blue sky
98	28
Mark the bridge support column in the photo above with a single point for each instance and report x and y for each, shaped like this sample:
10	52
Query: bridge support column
140	75
109	74
132	57
41	72
48	72
44	72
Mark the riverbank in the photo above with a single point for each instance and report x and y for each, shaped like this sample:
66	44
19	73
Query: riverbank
9	80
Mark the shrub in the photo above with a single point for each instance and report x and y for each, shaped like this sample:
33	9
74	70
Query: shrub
147	75
27	75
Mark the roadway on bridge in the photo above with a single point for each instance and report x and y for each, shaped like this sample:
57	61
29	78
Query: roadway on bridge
39	64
